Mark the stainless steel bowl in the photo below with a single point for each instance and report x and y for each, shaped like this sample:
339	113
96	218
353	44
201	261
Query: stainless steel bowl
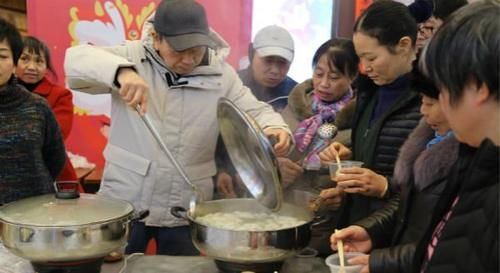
247	246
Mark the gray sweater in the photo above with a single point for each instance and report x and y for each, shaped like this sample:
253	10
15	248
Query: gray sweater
31	145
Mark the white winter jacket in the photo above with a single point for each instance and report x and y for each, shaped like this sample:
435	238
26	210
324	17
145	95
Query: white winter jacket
136	169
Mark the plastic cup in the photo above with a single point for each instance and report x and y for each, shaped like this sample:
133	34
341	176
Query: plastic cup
307	252
334	166
300	197
333	262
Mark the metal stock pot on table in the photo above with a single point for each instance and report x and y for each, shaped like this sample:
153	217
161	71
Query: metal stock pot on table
252	155
66	226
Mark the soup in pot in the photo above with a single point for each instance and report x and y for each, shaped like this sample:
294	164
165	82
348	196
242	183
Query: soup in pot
249	221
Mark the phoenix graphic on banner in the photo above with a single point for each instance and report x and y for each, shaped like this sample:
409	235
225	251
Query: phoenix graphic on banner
107	23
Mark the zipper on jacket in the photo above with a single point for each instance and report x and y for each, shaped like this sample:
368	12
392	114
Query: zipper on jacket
366	132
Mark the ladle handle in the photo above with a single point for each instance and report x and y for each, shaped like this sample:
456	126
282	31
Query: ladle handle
273	140
179	212
156	135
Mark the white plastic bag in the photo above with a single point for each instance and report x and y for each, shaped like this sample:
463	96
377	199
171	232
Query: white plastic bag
10	263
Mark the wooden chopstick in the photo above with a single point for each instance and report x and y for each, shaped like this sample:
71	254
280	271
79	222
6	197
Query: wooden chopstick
339	166
315	204
340	251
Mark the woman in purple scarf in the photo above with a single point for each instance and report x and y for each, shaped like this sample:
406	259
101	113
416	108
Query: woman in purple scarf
316	102
311	104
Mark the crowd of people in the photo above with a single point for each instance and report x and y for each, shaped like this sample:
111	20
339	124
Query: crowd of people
414	95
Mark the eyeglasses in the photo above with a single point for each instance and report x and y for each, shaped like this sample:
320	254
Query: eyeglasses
425	28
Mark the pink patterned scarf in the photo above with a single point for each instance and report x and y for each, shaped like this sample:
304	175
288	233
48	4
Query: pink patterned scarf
306	136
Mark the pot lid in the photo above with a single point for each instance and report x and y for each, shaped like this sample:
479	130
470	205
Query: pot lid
251	153
49	211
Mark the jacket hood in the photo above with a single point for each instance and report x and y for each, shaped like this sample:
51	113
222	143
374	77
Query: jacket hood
216	58
300	103
425	165
300	100
222	47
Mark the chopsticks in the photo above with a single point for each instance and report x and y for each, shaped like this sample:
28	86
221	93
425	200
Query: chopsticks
339	166
340	251
315	204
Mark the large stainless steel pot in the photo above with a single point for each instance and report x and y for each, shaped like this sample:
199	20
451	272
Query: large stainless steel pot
46	228
251	152
247	246
252	155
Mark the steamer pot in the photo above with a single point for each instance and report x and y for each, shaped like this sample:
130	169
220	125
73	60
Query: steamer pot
65	227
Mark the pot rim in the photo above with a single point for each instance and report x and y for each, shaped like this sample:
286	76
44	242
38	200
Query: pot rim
190	218
128	215
253	231
50	211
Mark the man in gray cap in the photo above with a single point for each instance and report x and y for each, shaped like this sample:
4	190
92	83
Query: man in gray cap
270	55
177	77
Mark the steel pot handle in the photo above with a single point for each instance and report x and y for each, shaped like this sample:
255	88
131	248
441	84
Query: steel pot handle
137	217
140	215
26	234
179	212
320	219
63	192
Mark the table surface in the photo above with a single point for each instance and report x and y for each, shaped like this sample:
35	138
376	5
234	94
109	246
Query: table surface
165	264
197	264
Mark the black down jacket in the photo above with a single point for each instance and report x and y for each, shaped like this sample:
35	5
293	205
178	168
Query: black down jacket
469	239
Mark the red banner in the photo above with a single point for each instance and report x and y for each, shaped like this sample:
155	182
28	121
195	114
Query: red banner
361	5
63	23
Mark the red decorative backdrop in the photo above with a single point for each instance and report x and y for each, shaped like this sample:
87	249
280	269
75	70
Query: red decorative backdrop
63	23
361	5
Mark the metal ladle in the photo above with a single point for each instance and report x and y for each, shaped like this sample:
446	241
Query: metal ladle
326	131
197	194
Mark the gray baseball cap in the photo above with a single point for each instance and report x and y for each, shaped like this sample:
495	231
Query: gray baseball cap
274	41
183	23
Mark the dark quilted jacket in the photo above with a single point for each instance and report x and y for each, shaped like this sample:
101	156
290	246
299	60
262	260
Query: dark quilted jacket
469	240
395	127
422	173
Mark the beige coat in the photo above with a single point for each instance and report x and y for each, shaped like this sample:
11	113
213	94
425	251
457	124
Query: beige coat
185	115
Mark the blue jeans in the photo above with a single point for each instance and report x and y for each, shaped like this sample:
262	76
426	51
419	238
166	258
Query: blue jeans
175	241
